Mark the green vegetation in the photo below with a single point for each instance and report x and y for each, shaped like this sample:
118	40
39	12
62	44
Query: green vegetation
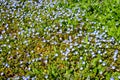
60	40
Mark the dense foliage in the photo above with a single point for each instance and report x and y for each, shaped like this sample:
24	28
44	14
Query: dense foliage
60	39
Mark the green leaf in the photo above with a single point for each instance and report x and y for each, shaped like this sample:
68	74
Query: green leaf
35	71
86	38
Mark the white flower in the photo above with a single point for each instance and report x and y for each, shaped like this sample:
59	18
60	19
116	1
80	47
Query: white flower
73	49
2	73
21	62
93	55
83	62
113	67
9	46
66	58
79	34
101	72
115	58
75	44
56	54
3	31
70	38
75	52
100	60
46	76
24	78
79	46
118	77
45	61
29	68
103	63
99	51
0	50
81	58
71	46
107	46
81	68
6	65
116	52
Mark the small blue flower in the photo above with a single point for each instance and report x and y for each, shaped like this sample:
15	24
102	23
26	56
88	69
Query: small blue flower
112	78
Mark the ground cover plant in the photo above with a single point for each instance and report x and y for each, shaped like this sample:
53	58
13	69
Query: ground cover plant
60	40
